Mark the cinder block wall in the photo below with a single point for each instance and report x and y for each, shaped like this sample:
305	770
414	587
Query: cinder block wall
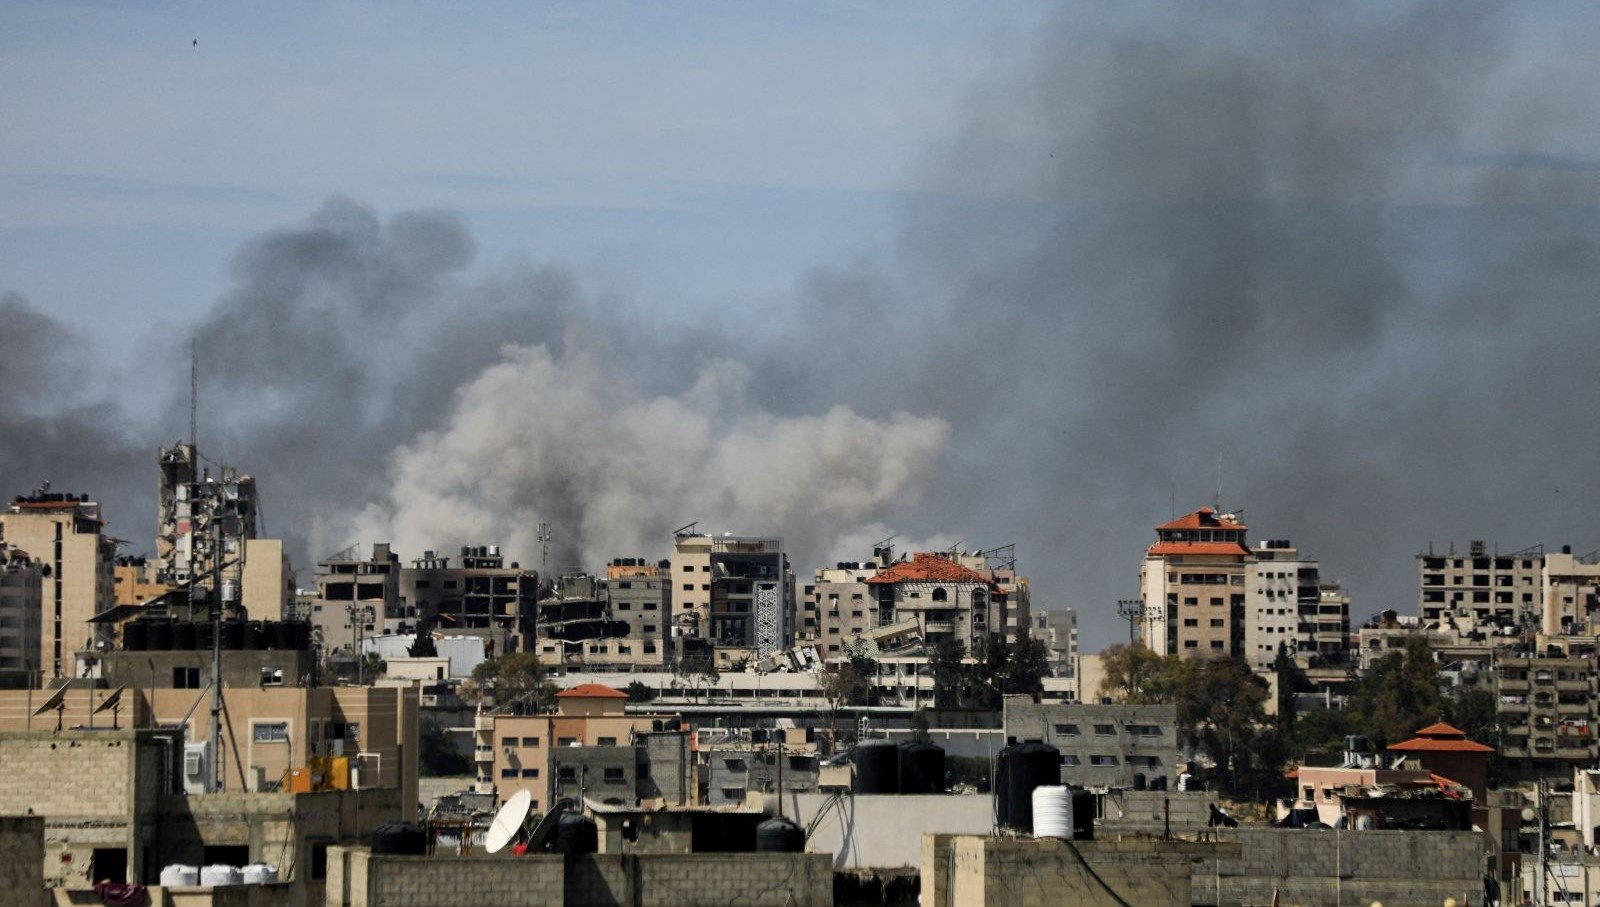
1316	868
1024	872
22	860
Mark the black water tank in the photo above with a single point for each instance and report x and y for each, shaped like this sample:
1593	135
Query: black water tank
283	635
1028	765
135	636
233	635
183	635
300	635
255	635
779	835
877	768
921	769
399	839
576	834
204	634
1002	775
160	633
1084	804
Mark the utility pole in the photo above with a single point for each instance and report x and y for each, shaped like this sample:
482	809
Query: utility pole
216	651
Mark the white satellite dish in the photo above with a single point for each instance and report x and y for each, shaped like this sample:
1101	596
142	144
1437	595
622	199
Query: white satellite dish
508	822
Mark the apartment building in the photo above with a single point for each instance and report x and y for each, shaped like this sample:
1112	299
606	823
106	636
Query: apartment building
21	605
64	534
947	599
480	595
1570	592
1058	630
134	580
1290	607
1193	586
535	752
640	594
837	606
736	762
733	591
1480	590
1547	713
358	596
1102	746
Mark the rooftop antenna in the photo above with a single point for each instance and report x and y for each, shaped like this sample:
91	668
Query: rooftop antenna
544	548
510	822
1216	503
194	393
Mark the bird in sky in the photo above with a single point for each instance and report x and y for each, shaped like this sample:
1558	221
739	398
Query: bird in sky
196	42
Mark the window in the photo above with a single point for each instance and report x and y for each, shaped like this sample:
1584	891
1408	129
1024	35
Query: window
508	773
530	741
1216	643
1191	622
530	773
688	587
940	595
1216	621
566	741
272	677
186	678
734	765
1103	760
1191	644
1105	730
615	776
608	741
270	732
732	793
688	568
567	773
1069	759
1066	730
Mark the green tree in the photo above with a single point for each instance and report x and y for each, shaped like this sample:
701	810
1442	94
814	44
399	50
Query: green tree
512	677
696	671
919	725
1399	694
437	757
639	692
1128	670
947	663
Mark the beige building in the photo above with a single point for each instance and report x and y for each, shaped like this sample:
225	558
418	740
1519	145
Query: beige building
1570	591
21	585
732	591
267	583
1193	586
479	595
135	581
947	599
836	607
65	534
522	752
369	586
1480	591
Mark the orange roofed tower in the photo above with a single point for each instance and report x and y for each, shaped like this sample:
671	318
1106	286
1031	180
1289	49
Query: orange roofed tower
1192	586
1445	750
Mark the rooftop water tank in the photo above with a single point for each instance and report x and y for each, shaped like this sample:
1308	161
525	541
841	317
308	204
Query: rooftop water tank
779	835
1052	812
135	636
576	834
180	875
1027	766
877	768
921	769
259	874
220	874
399	838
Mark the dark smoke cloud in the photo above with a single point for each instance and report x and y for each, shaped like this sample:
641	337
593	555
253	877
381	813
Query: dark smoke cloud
1345	248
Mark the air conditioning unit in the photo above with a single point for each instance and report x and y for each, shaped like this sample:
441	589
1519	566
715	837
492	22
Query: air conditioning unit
196	767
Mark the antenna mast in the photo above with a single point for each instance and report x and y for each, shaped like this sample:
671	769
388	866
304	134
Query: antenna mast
194	392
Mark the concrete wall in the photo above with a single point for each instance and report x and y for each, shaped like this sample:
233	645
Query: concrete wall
885	831
972	871
279	895
1137	739
1317	868
356	878
22	860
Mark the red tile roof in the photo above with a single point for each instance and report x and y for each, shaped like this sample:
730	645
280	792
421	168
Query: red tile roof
927	567
1440	738
592	691
1204	518
1212	548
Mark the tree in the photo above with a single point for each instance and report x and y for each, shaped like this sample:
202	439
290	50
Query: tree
947	663
919	725
513	677
437	757
1399	694
639	692
1128	670
697	670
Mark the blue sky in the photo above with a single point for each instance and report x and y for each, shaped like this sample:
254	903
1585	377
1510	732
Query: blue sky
708	151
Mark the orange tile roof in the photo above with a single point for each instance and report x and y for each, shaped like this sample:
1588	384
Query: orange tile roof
592	691
1204	518
1440	738
1226	548
927	567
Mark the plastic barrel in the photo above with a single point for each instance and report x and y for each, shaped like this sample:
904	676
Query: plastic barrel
204	634
576	834
877	768
135	636
399	838
160	635
283	635
184	636
922	769
1052	812
779	835
1083	810
1030	765
179	875
254	636
233	635
220	874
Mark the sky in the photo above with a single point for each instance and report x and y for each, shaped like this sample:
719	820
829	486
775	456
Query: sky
965	274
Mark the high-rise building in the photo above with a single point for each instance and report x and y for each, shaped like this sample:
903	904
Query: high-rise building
357	597
1570	591
479	596
197	513
1481	591
21	587
1289	607
733	591
836	607
65	534
947	599
1192	584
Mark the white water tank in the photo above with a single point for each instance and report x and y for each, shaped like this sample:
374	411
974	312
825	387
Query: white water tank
220	874
179	875
1052	811
259	874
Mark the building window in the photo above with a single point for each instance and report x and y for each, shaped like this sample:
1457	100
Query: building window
1191	644
530	741
272	677
1069	759
1105	730
615	776
530	773
732	793
1103	760
1066	730
186	678
270	732
566	741
508	773
608	741
1216	643
567	773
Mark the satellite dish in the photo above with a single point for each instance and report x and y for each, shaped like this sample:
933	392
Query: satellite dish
508	822
54	701
110	702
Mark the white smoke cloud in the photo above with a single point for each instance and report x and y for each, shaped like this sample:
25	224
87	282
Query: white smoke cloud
577	440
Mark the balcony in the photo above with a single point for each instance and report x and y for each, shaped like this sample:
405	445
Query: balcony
483	754
483	723
939	626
